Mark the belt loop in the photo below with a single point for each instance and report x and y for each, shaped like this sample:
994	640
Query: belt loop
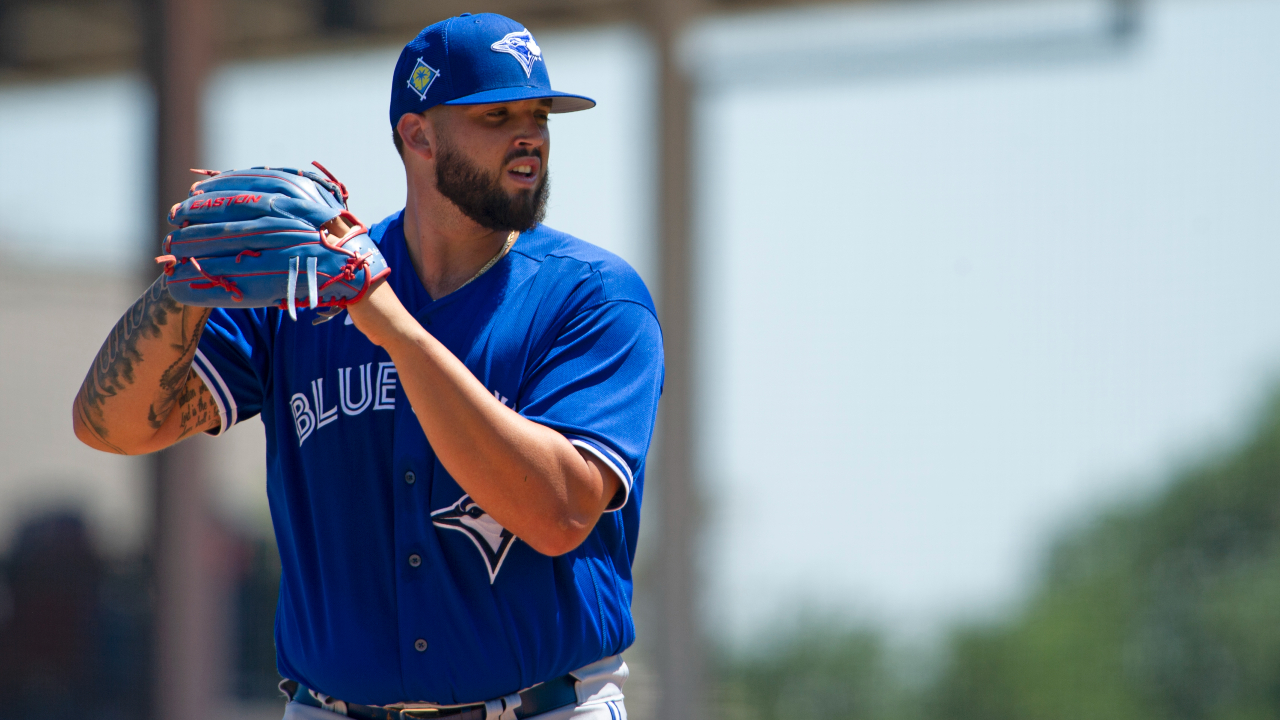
502	708
510	703
330	704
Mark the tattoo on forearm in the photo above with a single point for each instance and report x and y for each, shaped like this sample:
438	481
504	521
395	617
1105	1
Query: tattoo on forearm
113	369
195	407
174	381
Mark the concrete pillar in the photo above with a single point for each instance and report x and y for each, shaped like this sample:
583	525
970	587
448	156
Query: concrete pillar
189	553
680	656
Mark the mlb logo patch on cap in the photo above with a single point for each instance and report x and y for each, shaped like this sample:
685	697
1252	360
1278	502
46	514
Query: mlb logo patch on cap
421	78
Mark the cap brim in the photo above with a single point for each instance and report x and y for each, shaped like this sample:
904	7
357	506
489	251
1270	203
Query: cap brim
560	102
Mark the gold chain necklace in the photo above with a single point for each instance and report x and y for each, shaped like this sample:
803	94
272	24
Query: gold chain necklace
511	240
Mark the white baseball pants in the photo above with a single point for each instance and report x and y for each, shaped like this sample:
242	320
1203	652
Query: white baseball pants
599	697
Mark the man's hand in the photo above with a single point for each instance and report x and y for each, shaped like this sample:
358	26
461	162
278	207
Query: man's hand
528	477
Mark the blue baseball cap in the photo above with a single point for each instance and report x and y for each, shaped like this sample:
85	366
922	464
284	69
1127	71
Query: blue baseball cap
471	60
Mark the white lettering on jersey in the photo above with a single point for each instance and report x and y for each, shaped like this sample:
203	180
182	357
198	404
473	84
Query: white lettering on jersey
377	390
304	421
323	417
385	398
366	389
503	399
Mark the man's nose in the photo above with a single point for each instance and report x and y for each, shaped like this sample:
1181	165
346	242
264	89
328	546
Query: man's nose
532	134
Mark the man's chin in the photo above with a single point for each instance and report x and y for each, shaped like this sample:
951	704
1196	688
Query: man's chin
519	190
521	197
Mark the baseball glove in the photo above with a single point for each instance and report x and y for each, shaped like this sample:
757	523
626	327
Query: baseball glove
246	238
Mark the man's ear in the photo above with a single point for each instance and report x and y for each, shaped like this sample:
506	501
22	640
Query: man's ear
417	135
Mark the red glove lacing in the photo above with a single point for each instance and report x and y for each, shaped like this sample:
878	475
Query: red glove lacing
210	281
335	180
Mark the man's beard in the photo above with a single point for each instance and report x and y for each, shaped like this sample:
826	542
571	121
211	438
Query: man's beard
479	195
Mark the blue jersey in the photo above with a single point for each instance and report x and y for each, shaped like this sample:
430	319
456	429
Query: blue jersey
396	587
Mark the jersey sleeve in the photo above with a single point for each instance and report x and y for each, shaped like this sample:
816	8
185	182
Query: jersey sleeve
233	361
599	384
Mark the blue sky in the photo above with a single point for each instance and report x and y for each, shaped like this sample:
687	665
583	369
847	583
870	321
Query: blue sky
947	312
945	308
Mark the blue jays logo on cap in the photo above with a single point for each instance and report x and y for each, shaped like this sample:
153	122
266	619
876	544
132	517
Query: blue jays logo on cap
521	46
421	78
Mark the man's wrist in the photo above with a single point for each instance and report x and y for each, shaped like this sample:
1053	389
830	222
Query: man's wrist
402	337
383	319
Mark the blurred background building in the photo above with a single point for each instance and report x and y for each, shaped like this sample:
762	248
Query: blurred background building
976	343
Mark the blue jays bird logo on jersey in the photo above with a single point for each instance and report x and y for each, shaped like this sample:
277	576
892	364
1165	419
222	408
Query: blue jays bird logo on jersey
522	47
421	78
491	539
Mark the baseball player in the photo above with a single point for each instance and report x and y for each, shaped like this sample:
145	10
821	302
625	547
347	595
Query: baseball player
455	463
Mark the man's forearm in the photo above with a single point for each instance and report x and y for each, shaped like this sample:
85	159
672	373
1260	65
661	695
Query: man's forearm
526	476
140	375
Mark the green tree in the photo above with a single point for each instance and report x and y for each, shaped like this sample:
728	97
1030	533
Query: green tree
1166	609
820	670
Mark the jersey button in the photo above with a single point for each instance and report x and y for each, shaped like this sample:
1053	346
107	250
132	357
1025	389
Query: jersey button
420	645
410	478
415	560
